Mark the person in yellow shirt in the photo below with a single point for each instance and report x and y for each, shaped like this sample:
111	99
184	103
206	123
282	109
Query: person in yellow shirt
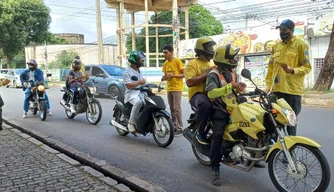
2	83
290	62
196	73
173	70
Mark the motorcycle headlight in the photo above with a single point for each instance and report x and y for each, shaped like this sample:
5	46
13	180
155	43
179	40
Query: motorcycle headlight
92	90
291	116
40	88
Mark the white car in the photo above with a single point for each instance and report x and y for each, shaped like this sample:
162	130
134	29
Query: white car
14	76
3	73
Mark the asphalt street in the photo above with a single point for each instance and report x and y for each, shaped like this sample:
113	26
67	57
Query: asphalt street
174	168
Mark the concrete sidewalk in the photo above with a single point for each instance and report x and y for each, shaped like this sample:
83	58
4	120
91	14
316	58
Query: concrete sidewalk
28	165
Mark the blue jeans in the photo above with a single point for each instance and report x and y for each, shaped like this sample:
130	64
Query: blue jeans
75	95
27	96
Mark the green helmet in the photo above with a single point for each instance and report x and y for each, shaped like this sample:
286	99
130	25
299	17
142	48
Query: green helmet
137	58
205	46
224	57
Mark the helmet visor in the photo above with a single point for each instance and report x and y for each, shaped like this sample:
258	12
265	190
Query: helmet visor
210	46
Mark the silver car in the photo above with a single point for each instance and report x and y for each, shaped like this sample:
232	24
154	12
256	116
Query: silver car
14	76
3	73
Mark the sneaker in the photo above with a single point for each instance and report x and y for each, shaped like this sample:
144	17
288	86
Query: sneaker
215	178
73	108
202	139
178	132
49	113
24	115
131	128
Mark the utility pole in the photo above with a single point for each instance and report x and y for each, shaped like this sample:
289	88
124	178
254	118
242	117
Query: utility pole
99	32
176	28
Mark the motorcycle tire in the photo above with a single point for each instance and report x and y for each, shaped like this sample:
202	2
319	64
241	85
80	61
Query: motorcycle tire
323	185
99	115
118	116
43	110
171	132
203	159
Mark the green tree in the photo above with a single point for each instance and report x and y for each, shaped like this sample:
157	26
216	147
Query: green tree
52	40
201	23
22	23
326	75
63	60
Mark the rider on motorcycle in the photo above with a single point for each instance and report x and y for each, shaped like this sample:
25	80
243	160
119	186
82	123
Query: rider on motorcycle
133	78
221	86
36	75
196	73
74	82
75	61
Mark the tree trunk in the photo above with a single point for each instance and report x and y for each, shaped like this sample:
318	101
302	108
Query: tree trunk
326	75
9	62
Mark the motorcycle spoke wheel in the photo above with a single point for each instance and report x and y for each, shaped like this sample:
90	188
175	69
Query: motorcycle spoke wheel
312	170
163	134
94	116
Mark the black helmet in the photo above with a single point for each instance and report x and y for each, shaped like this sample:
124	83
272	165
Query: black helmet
137	57
76	63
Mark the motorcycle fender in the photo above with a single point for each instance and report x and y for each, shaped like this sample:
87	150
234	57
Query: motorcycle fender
161	112
93	100
290	141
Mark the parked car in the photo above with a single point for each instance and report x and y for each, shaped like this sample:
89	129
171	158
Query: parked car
3	73
14	76
109	80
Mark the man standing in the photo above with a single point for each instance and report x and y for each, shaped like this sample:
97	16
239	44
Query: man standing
290	62
174	73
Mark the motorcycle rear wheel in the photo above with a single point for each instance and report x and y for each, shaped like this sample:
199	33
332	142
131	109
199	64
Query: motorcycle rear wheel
118	117
305	177
42	110
203	159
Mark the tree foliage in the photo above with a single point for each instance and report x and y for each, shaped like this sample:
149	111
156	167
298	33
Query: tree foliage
22	22
53	40
63	60
326	75
201	23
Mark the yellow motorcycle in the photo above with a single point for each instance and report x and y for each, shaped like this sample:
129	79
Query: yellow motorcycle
257	132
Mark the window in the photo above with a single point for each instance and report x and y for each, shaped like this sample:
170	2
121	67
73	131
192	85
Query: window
87	69
113	70
318	63
96	71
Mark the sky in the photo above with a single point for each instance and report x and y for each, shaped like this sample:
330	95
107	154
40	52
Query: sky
78	16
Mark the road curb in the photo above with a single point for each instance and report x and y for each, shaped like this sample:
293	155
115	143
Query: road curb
131	181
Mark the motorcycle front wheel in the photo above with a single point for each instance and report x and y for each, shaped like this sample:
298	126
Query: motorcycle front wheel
42	110
313	172
164	133
94	116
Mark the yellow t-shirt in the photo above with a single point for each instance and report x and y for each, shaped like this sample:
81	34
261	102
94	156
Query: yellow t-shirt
195	68
174	67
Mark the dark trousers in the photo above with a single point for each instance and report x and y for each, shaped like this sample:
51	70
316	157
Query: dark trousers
75	95
204	107
295	101
220	120
0	118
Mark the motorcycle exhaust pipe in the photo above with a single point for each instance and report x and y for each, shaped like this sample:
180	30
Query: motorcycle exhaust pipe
119	126
62	103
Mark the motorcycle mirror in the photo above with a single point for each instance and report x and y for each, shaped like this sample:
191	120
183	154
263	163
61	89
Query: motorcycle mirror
246	74
276	79
134	78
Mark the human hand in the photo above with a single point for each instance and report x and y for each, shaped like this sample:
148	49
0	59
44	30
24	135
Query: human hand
240	87
25	84
142	82
287	68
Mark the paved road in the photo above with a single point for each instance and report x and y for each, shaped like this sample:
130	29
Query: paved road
174	168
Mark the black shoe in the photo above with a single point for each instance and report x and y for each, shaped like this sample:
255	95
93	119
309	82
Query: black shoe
215	178
178	132
202	139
